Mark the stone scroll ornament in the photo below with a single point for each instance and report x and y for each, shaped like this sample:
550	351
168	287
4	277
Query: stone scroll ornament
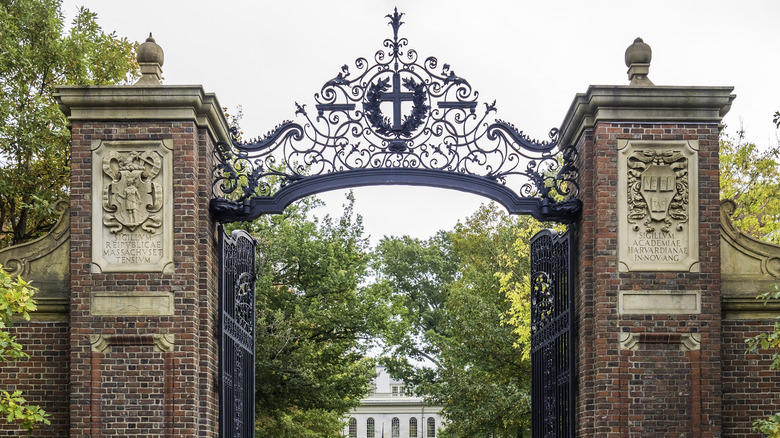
657	190
132	199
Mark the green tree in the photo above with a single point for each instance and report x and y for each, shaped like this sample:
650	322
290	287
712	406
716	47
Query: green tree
16	301
417	275
36	57
514	276
751	177
449	295
314	321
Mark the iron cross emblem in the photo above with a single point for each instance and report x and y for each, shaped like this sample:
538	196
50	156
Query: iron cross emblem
397	96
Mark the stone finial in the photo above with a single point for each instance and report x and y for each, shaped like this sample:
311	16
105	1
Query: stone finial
150	59
638	56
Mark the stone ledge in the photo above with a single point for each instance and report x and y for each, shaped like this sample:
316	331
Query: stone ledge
162	343
145	103
678	105
686	341
749	309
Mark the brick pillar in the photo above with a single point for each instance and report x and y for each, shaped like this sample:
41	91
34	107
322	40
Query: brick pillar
648	302
143	304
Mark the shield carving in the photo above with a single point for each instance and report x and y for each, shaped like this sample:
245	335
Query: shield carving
131	197
658	189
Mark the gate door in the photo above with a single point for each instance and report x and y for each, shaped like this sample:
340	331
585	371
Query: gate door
552	347
237	335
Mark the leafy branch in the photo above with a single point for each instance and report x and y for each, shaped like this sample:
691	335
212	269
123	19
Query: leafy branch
16	301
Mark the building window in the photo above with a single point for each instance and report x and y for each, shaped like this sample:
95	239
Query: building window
431	427
352	428
370	428
397	390
395	428
412	427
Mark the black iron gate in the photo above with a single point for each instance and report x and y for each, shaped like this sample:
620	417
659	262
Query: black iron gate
237	335
552	346
449	140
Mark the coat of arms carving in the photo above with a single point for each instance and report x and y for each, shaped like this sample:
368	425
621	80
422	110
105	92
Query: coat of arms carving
657	189
132	198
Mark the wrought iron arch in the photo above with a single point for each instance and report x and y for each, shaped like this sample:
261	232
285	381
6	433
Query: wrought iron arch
445	140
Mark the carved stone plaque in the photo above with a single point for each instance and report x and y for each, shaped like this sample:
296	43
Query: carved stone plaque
132	303
658	201
132	217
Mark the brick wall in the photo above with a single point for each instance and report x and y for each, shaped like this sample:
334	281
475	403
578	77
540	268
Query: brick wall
643	392
750	389
43	377
584	298
175	390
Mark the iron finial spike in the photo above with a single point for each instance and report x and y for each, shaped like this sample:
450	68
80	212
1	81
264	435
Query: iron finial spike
395	21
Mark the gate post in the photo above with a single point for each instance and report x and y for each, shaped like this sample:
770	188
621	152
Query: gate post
648	297
143	304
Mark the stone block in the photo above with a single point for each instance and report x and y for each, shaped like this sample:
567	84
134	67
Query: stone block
667	302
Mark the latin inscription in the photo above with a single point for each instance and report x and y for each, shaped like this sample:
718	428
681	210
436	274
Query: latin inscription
134	248
657	247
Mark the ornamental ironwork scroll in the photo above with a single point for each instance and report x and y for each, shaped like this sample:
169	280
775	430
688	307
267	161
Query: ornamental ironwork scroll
398	120
552	334
237	335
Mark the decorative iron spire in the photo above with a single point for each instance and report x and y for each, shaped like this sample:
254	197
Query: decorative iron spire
395	21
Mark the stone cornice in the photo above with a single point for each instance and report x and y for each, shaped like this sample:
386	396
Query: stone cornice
644	104
141	103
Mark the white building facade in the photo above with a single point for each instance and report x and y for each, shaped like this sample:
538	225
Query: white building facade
390	413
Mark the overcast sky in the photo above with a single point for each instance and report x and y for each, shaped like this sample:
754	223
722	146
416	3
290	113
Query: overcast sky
532	57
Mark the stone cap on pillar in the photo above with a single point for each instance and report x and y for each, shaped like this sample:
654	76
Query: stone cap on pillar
642	101
145	103
638	57
671	104
146	100
150	58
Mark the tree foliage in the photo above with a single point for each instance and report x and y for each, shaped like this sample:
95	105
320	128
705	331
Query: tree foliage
458	349
16	301
750	176
314	321
418	275
36	57
514	276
